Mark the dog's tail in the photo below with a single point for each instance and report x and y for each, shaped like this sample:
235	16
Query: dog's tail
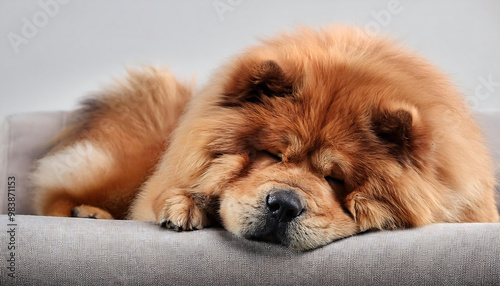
111	145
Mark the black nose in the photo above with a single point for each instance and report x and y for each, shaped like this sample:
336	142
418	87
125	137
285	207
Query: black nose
284	205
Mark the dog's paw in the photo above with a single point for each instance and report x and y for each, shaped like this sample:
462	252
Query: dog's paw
85	211
182	213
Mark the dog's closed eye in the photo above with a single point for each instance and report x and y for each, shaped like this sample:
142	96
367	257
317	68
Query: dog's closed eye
275	155
334	180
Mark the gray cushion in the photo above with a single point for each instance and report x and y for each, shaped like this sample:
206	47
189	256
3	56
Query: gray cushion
24	138
64	251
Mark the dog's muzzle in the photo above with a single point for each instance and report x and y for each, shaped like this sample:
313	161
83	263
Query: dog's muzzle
282	207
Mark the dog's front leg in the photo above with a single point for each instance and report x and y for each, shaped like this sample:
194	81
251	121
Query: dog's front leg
181	209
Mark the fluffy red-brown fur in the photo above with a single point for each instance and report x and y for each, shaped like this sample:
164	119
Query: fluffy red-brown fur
355	131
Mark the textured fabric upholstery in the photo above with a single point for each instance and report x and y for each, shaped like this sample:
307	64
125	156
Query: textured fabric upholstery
24	138
66	251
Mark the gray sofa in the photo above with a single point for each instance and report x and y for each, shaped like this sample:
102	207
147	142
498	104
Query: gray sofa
68	251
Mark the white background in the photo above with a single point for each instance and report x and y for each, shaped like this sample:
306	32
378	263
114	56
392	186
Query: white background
78	46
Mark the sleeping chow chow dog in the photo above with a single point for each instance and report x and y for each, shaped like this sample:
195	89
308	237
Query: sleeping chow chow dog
306	138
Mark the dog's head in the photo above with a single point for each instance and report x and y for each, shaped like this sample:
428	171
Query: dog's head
311	148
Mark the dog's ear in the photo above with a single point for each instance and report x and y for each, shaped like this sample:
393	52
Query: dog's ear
254	82
402	133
